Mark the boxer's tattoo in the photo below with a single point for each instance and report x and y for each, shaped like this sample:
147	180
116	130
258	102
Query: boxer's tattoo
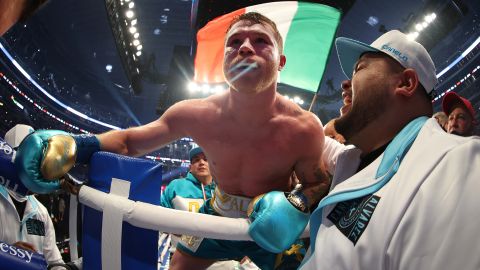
316	191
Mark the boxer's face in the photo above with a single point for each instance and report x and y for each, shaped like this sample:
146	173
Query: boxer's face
252	58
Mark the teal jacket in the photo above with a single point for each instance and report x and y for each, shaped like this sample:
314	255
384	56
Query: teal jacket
186	194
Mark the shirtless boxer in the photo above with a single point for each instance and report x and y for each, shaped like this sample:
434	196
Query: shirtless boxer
254	138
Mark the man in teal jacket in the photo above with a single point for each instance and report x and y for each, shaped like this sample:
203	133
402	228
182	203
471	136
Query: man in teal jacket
189	193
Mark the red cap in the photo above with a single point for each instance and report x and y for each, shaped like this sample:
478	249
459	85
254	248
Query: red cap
451	98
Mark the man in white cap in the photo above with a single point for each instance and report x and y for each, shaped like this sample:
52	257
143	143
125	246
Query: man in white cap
24	221
405	194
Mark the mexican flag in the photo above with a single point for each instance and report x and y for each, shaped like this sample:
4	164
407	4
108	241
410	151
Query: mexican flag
308	30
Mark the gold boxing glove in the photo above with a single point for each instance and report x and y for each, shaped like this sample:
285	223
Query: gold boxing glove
59	157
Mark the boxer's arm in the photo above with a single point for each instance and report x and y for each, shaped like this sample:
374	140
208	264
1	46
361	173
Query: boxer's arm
47	155
310	168
137	141
278	218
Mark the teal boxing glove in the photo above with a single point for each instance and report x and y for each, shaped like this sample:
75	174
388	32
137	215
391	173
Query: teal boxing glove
45	156
278	219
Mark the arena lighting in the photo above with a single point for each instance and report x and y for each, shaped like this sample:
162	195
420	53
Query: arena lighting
124	23
42	109
420	26
413	36
183	161
457	84
205	89
185	139
58	102
465	53
17	103
192	86
138	54
295	99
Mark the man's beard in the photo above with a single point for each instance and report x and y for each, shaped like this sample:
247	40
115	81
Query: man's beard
363	112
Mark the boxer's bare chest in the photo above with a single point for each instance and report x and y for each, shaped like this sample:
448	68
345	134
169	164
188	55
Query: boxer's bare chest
250	160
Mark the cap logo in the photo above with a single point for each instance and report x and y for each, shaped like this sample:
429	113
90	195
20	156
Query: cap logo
395	52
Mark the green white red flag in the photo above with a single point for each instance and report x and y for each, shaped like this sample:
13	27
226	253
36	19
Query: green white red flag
308	30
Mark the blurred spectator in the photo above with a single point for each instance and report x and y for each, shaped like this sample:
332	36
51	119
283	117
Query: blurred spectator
24	221
461	115
442	119
329	130
61	208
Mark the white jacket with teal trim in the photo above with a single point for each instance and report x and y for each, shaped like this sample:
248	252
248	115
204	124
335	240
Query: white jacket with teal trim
426	217
35	227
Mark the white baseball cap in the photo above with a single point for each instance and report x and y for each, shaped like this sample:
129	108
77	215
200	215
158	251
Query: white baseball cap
409	53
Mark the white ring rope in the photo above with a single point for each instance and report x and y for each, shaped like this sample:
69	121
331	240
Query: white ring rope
168	220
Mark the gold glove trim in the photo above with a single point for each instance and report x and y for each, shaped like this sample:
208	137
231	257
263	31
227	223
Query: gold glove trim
252	203
59	157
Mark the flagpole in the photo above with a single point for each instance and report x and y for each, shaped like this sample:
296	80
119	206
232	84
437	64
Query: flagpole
313	101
